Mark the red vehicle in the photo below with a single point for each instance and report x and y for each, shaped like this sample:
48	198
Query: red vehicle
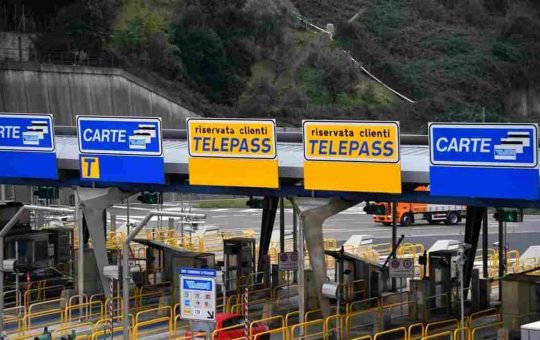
229	320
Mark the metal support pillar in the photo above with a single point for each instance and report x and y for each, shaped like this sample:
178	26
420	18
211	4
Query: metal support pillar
313	213
3	193
485	245
473	225
281	225
301	273
295	238
125	260
80	261
394	237
295	229
270	205
502	257
3	234
94	203
394	227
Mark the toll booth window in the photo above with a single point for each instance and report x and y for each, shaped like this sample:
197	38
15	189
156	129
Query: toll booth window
236	320
24	255
203	263
42	250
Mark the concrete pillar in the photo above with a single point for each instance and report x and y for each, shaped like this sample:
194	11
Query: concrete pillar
94	202
313	213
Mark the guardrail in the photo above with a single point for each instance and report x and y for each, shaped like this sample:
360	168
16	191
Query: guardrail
361	318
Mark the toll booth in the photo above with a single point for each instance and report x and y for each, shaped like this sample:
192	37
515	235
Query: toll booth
238	262
520	301
34	249
443	271
433	294
41	248
163	262
361	277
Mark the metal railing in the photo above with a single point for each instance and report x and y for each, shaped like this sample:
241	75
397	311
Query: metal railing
71	58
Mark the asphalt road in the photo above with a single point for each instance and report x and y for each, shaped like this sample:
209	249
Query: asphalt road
354	221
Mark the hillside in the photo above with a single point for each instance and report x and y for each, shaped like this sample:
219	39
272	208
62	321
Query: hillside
462	60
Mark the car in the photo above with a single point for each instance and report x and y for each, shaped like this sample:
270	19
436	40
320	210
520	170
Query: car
29	280
228	321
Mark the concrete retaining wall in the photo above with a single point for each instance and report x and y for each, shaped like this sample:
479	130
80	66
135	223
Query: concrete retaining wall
67	91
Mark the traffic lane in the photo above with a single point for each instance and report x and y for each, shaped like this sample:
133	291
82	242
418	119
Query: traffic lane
515	241
352	222
342	226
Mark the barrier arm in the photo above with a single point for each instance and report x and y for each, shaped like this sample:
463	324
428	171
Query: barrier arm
3	234
125	262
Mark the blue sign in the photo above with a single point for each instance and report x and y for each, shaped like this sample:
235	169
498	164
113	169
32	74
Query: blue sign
484	160
27	139
194	284
119	136
509	146
198	272
197	294
115	149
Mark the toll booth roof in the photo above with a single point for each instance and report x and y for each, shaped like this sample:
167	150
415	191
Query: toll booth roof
240	239
163	246
350	257
523	277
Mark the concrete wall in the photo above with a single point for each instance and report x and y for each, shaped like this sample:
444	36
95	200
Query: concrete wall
15	46
67	91
523	104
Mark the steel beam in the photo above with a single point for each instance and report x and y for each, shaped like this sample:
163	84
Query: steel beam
473	225
502	256
270	205
485	245
282	224
286	189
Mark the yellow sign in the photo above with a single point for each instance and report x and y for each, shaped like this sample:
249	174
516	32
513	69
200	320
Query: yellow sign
232	138
233	152
351	141
90	167
352	156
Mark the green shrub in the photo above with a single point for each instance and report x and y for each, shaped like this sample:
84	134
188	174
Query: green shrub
311	81
509	50
385	17
450	45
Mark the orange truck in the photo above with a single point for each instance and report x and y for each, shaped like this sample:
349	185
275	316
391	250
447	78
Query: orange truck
409	213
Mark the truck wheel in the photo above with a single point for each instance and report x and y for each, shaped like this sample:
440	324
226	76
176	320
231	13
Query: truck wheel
407	220
452	218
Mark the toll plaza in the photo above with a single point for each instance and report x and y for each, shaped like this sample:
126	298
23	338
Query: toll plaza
79	271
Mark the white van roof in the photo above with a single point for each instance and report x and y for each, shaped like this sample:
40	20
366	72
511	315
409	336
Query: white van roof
359	240
444	245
